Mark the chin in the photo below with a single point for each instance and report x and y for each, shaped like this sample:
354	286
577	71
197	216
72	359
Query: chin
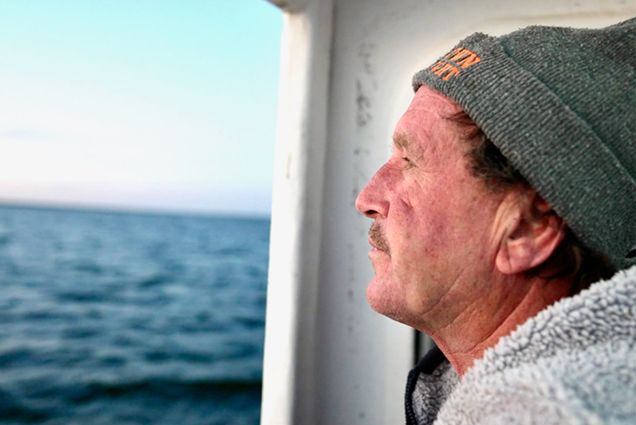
383	301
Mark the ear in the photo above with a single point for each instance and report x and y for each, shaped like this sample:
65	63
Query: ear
531	233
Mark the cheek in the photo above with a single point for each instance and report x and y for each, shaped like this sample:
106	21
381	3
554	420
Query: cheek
432	223
439	225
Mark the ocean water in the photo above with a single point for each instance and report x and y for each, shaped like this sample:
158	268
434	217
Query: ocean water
117	318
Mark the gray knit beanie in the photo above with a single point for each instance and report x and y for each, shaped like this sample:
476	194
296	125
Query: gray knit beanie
560	104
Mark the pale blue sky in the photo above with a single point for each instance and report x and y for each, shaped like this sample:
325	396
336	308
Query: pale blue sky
154	104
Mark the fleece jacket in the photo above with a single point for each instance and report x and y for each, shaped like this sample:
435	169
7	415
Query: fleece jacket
573	363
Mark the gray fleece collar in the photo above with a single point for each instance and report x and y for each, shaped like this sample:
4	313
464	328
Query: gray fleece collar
573	363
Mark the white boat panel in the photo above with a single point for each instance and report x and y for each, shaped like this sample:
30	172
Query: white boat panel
345	80
289	375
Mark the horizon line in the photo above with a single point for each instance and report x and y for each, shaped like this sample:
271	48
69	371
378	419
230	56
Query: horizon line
128	209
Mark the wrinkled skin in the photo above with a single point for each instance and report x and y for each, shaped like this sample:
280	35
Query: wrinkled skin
432	231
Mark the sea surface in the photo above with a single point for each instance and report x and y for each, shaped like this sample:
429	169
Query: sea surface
126	318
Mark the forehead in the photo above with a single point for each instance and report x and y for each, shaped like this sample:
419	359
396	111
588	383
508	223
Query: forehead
430	99
426	119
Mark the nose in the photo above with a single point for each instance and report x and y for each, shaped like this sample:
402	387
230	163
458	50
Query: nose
372	200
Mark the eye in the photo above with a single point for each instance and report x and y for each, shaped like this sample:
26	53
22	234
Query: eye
406	162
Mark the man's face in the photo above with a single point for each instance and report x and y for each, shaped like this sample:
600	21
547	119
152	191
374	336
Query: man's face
432	229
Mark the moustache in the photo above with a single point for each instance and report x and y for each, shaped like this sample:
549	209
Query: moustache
377	238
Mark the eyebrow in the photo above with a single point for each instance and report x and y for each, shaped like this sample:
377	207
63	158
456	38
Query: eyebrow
401	141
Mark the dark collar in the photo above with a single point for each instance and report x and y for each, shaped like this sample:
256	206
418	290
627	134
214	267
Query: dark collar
426	365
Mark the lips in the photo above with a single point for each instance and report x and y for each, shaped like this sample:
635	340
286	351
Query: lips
376	238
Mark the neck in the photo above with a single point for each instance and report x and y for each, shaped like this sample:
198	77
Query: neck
479	325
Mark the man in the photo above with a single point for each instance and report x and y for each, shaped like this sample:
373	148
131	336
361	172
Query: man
511	189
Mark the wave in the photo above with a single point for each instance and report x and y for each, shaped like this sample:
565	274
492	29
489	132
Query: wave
154	280
5	239
23	411
13	410
232	251
164	387
89	267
